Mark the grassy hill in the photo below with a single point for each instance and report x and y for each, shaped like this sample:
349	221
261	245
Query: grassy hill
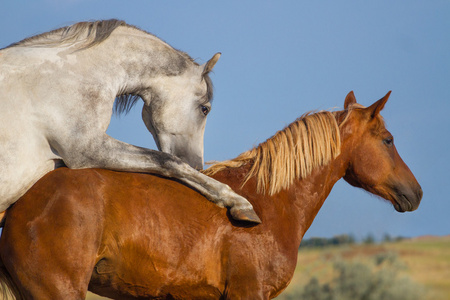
423	261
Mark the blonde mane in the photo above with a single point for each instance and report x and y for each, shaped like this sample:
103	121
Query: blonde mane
311	141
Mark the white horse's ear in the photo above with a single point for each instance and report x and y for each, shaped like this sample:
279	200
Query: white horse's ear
211	63
349	100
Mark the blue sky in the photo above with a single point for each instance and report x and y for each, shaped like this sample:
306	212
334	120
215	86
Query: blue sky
281	59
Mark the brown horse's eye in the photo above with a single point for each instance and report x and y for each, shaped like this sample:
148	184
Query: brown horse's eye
389	141
205	110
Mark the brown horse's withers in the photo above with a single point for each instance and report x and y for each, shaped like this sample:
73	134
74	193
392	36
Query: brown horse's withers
126	235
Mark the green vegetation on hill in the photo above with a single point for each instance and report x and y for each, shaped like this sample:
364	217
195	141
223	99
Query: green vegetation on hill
317	242
373	280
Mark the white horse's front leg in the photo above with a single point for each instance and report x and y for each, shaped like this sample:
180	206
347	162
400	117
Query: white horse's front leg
217	192
108	153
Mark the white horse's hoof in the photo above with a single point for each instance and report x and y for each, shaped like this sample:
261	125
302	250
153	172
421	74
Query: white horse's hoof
247	215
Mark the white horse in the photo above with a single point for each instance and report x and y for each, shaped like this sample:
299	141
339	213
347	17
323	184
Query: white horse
57	92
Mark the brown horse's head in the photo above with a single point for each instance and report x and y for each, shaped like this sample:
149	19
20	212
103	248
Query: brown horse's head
374	163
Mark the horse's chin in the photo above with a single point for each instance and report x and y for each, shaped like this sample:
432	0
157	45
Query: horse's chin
403	203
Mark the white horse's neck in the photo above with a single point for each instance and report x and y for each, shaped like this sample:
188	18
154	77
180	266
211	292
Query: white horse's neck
134	59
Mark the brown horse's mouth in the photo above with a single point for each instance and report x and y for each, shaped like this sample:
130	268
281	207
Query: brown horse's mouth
402	204
408	201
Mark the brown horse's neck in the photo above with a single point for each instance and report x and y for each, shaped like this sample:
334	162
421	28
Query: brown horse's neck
290	212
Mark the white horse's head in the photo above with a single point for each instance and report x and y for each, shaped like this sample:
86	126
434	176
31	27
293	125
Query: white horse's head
175	111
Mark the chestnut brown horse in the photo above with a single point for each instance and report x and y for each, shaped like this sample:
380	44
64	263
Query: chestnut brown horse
139	236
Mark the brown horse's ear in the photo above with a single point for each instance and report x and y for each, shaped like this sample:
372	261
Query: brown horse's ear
211	63
349	100
375	108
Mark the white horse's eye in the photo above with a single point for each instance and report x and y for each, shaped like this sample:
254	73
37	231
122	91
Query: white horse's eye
205	110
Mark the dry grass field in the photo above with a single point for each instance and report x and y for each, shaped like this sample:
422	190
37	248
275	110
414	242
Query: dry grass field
425	261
